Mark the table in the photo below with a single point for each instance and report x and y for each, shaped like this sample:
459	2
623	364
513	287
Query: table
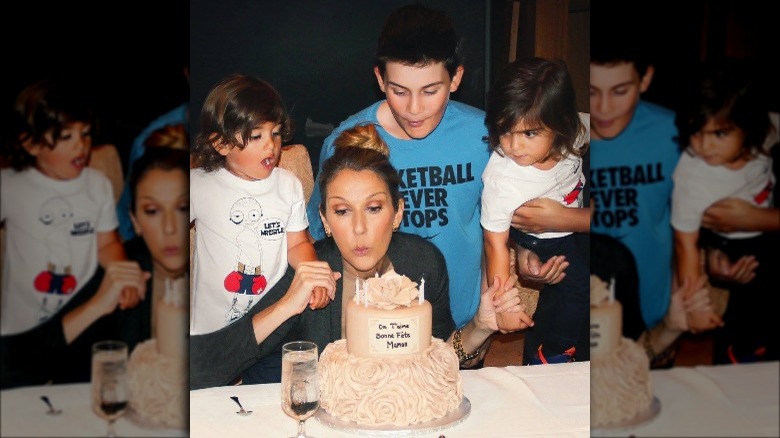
549	400
23	414
724	400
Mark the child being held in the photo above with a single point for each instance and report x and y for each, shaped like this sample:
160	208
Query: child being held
722	126
249	214
535	133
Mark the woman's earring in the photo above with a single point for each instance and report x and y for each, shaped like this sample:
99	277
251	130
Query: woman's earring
327	232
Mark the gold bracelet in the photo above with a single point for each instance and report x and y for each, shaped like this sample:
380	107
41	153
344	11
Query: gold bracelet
457	344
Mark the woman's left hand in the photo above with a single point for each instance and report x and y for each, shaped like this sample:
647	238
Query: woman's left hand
505	300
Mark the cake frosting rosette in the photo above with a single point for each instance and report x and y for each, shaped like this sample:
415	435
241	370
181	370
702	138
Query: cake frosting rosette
391	290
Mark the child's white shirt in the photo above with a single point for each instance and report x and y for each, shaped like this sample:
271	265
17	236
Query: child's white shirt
239	222
697	185
49	223
508	185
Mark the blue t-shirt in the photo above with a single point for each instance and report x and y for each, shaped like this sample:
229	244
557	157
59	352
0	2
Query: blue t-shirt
631	189
441	185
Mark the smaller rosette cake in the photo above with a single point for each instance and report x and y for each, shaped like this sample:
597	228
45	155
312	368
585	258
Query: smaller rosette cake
620	385
389	370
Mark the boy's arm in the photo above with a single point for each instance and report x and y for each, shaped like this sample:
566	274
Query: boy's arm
688	268
110	248
543	214
686	253
299	248
496	254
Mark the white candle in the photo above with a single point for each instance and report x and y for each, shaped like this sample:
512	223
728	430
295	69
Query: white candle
422	291
612	289
365	293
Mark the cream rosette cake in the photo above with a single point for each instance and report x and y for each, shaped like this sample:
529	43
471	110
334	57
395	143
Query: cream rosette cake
158	377
389	370
620	385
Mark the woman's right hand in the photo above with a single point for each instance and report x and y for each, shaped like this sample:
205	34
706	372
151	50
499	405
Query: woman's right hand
123	283
308	277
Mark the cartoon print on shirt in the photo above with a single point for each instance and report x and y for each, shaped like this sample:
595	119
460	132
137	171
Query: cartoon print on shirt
247	278
573	196
57	214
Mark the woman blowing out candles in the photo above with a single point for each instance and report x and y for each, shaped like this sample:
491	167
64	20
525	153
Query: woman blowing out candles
361	208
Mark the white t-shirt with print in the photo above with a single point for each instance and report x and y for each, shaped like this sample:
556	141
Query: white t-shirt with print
239	223
51	226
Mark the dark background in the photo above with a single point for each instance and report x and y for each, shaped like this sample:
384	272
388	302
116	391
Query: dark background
679	35
130	55
317	53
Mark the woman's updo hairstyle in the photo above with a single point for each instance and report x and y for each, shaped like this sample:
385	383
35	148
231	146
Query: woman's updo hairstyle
360	148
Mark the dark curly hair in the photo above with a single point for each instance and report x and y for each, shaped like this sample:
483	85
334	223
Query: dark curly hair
41	112
233	108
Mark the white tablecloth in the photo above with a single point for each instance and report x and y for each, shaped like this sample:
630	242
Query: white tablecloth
24	414
550	400
725	400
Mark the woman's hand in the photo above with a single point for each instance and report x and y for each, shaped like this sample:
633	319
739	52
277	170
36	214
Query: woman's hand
543	214
730	214
531	268
536	215
504	299
700	314
308	277
124	284
719	266
686	299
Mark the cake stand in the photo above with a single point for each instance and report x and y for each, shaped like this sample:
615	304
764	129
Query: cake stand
452	419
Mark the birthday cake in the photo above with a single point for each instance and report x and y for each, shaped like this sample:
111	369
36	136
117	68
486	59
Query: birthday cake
620	385
389	370
158	377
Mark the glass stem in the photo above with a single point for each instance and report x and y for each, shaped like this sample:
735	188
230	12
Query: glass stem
111	432
301	431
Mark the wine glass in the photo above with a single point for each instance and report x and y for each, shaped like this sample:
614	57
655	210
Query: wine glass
300	382
109	381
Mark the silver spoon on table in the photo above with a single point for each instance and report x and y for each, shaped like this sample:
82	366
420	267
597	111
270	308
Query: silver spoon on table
51	410
242	411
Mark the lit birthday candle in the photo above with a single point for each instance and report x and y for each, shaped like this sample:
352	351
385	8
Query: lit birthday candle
357	291
365	293
421	297
612	289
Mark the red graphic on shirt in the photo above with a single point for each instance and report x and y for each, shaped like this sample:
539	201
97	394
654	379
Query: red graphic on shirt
764	194
574	194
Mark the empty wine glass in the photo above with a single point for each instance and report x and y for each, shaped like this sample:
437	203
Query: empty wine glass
300	382
109	381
